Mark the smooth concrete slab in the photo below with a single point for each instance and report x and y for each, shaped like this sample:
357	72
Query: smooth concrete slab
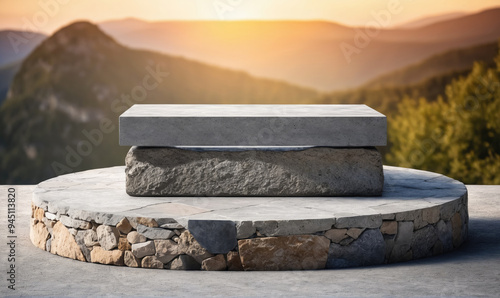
470	271
252	125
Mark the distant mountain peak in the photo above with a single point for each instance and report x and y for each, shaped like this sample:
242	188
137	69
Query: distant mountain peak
81	38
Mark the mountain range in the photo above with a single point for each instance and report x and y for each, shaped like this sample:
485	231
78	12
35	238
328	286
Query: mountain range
61	113
322	55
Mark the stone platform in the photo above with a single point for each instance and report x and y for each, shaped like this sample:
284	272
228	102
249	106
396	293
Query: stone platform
170	125
87	216
317	171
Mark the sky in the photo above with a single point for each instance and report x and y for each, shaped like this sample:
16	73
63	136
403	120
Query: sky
49	15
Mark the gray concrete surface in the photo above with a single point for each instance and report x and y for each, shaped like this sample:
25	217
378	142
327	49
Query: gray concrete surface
473	270
253	125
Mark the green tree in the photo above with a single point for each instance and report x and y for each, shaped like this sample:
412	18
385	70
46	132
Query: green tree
458	136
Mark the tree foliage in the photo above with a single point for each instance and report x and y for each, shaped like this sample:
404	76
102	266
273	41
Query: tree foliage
458	135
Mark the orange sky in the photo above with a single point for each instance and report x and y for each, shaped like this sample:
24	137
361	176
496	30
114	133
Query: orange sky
49	15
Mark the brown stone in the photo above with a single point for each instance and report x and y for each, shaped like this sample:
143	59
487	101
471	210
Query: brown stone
217	263
39	214
456	225
389	228
234	261
189	246
431	215
148	222
64	244
123	244
297	252
130	260
355	232
134	237
124	226
39	234
185	262
33	208
108	257
151	262
336	235
166	250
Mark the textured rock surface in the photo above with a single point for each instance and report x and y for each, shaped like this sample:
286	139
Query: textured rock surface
130	260
234	261
74	223
423	241
64	244
151	262
143	249
124	226
166	250
100	255
217	263
185	262
189	246
336	235
123	244
216	236
321	171
368	249
39	235
134	237
154	233
284	253
108	236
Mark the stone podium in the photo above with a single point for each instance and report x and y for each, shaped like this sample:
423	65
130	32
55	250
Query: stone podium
253	150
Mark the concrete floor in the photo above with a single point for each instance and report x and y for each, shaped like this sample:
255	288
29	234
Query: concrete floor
473	270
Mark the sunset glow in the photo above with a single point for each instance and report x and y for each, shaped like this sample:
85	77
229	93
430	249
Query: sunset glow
49	15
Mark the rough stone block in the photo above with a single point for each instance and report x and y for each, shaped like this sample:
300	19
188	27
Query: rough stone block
217	263
185	262
423	241
317	171
39	235
252	125
368	249
102	256
389	227
143	249
154	233
244	229
151	262
297	252
216	236
292	227
64	244
445	232
166	250
336	235
130	260
124	226
108	237
234	261
367	222
134	237
189	246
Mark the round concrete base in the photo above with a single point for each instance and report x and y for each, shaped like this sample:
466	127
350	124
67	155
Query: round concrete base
89	217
